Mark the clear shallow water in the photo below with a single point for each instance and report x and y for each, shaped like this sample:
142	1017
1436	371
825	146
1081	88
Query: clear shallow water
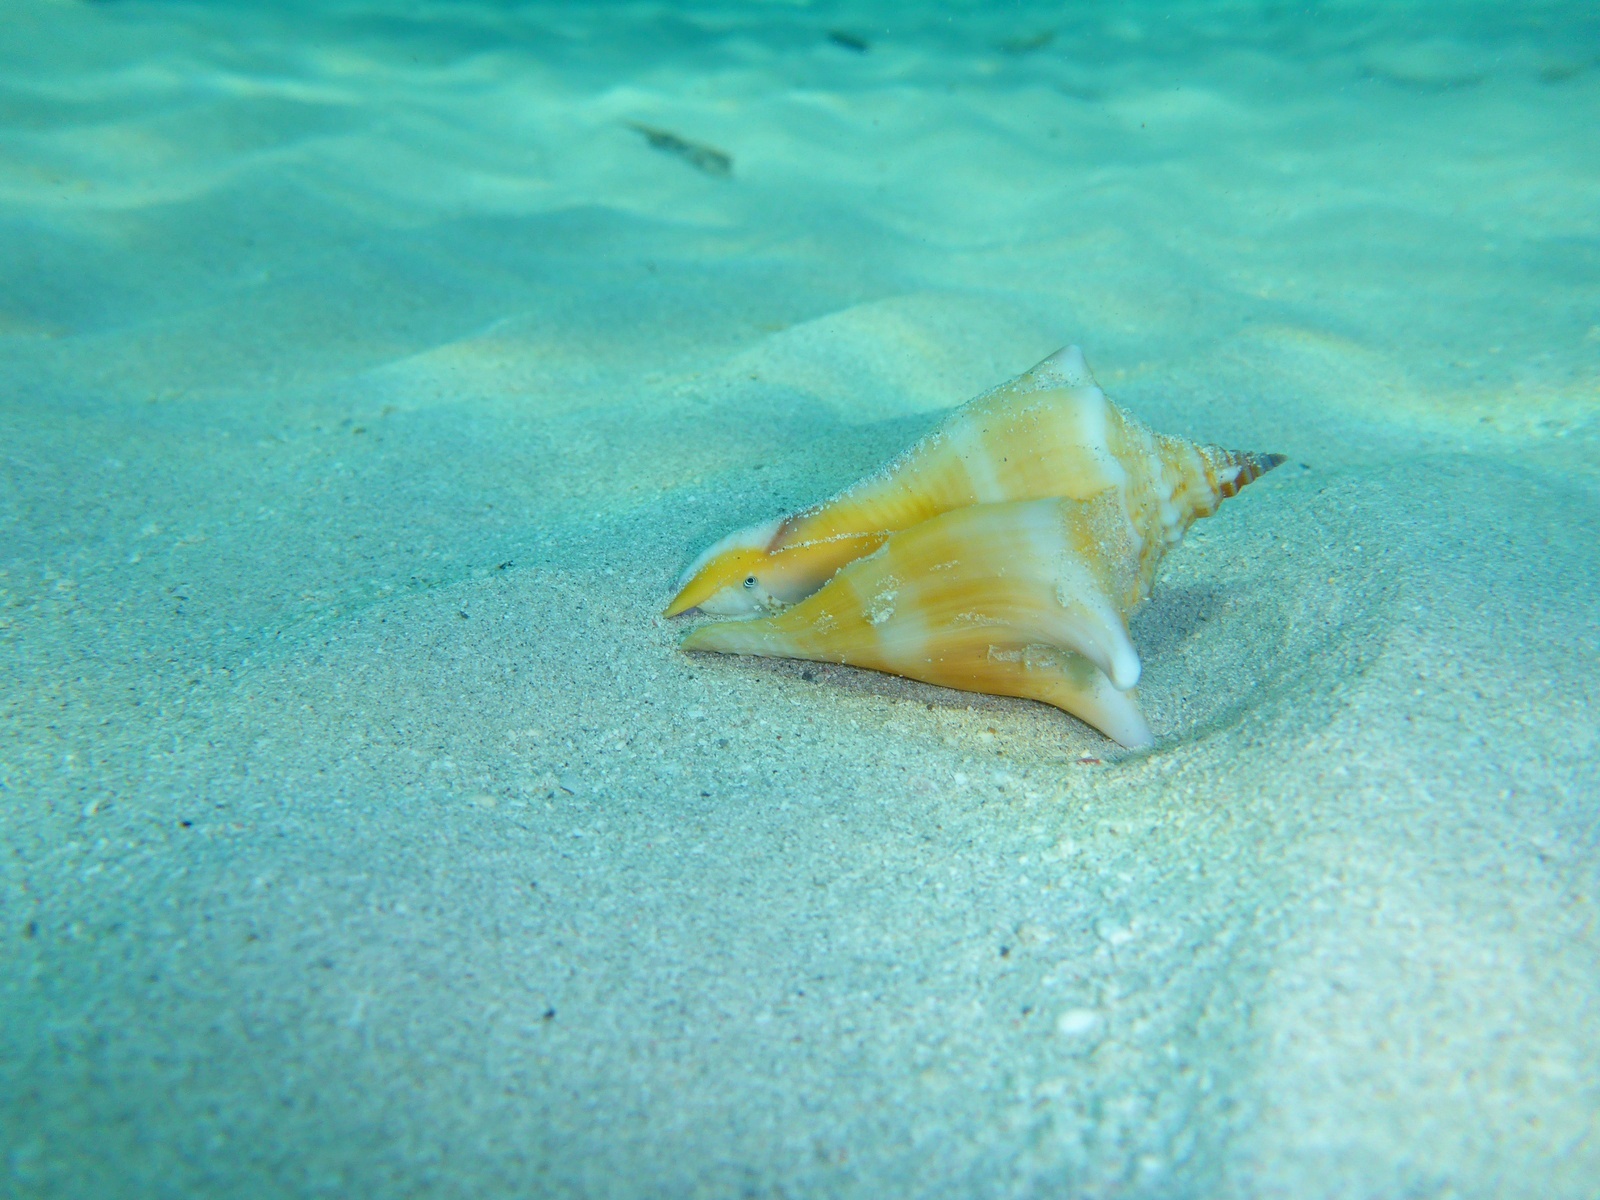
366	377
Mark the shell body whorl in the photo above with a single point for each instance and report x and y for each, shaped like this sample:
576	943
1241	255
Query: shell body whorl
1024	598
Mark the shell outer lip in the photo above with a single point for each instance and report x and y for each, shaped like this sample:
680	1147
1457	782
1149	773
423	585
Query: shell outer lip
693	586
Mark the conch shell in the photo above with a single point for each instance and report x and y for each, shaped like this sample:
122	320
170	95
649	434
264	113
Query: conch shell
1050	432
1003	553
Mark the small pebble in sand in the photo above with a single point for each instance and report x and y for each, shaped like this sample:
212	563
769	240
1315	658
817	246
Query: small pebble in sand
1114	935
1077	1022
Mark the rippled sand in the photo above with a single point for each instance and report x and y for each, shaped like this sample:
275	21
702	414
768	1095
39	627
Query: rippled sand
367	377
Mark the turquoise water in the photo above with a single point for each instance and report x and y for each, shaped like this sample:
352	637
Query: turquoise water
370	371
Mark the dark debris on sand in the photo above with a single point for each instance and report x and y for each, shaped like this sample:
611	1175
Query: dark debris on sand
698	155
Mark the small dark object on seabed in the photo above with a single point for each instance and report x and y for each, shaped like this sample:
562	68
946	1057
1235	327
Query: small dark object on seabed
702	158
849	41
1029	42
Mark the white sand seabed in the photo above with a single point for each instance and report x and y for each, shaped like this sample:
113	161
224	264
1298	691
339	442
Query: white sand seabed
365	382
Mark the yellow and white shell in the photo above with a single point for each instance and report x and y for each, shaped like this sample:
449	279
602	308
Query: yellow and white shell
1050	432
1003	553
1026	598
